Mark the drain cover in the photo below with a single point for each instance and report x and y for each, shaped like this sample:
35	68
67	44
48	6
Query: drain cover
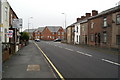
33	68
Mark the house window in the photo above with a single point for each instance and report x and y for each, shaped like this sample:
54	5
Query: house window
6	13
38	37
105	22
118	19
58	37
62	33
5	30
62	37
58	33
11	18
104	37
53	33
53	37
118	39
92	37
92	25
77	38
83	28
77	29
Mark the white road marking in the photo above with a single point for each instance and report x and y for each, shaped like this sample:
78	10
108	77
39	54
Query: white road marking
81	52
59	46
55	45
84	54
88	55
110	62
69	49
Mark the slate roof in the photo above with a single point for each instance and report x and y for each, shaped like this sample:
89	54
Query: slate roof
53	28
40	29
30	30
117	8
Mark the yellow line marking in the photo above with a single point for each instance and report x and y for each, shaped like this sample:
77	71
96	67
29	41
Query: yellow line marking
50	62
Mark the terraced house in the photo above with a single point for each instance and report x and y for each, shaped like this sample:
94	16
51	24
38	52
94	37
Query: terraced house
99	29
104	28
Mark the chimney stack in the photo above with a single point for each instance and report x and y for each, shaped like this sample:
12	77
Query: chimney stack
94	12
88	15
78	19
82	17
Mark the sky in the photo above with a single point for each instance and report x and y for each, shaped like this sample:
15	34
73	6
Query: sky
49	12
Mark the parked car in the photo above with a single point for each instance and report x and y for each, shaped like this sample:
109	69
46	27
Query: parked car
57	40
37	40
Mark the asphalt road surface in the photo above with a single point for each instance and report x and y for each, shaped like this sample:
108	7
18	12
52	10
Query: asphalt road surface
77	62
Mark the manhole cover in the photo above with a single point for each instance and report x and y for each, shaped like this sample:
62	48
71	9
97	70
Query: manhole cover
33	68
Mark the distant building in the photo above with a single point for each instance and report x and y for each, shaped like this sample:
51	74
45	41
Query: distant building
70	33
30	32
53	32
37	34
49	33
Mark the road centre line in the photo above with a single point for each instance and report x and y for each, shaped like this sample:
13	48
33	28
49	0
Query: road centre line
53	66
59	46
69	49
84	53
110	62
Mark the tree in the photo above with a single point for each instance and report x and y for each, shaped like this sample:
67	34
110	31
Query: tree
24	36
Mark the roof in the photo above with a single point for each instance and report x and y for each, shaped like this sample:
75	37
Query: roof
114	9
53	28
40	29
72	25
30	30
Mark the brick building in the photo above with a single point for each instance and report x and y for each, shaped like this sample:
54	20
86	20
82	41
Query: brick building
103	29
49	33
38	33
53	32
84	29
70	33
99	29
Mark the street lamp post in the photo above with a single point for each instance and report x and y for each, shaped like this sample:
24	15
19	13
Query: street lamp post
29	23
65	26
65	20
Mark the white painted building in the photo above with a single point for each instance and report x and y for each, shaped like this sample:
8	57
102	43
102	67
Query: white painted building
77	33
5	19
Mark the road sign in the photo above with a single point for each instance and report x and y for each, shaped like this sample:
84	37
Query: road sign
17	23
10	34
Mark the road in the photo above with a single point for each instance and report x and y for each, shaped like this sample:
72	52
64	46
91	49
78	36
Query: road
77	62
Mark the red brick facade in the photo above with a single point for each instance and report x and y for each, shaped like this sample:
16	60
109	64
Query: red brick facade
49	33
101	29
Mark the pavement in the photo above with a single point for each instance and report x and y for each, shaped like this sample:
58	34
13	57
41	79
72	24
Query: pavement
27	63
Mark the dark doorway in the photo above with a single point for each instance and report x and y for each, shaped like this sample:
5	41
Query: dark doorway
99	38
85	39
95	38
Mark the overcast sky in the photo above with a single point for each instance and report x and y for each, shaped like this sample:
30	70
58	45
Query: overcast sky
48	12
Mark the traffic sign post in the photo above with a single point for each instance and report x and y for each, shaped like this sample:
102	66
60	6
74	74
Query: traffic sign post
0	44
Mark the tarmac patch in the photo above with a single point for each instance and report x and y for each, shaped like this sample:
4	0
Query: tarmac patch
33	68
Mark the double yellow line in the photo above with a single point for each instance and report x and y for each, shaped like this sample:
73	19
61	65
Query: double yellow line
50	62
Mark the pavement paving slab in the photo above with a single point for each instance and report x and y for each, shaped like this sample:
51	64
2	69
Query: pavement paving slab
27	63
